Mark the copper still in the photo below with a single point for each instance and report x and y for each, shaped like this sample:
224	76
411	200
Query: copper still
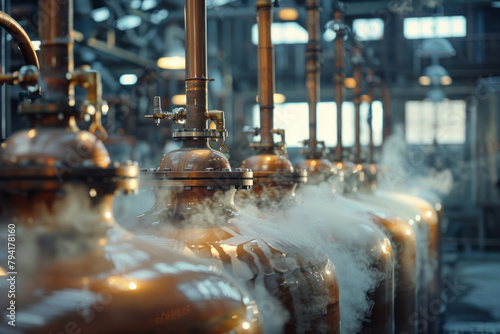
70	267
320	169
195	212
275	179
424	220
400	233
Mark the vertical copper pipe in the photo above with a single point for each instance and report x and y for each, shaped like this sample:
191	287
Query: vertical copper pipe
357	102
266	70
339	79
196	63
371	94
313	67
386	105
55	26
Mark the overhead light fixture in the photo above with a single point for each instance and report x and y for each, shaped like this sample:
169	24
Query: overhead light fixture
435	75
436	47
424	80
350	83
365	98
174	56
149	4
100	14
435	95
128	79
446	80
329	35
277	98
288	14
172	63
128	22
179	100
158	16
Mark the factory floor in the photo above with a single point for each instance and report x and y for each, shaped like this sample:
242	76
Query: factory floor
473	296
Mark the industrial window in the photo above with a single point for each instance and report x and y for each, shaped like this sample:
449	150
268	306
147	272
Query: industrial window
421	118
431	27
294	118
368	29
283	33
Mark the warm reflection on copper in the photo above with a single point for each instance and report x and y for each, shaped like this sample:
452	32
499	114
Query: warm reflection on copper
92	271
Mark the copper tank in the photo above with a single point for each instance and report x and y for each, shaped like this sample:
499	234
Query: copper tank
195	212
425	220
428	221
72	267
400	234
320	169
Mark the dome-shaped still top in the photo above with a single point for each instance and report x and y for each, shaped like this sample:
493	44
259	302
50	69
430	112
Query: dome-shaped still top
436	47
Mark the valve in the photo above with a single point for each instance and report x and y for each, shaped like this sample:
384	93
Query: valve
94	106
26	77
318	152
178	115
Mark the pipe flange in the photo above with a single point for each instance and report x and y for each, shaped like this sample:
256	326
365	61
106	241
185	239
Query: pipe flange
209	179
280	178
180	134
120	176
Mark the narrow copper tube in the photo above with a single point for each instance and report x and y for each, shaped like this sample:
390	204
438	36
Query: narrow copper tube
266	70
21	37
55	26
196	63
313	67
339	80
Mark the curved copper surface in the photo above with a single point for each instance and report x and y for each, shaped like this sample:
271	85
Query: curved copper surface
318	170
262	187
405	273
79	268
381	320
194	159
51	146
21	37
429	226
308	289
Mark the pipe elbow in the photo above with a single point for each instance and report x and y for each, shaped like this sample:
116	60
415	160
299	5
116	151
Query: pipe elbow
21	37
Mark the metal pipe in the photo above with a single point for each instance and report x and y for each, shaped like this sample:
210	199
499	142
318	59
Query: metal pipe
357	73
313	67
386	105
266	70
55	24
339	77
371	94
196	63
21	37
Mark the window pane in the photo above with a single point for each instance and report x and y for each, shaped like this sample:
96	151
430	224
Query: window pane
425	120
368	29
430	27
294	118
283	33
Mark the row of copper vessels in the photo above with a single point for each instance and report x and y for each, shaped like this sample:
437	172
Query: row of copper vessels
193	263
